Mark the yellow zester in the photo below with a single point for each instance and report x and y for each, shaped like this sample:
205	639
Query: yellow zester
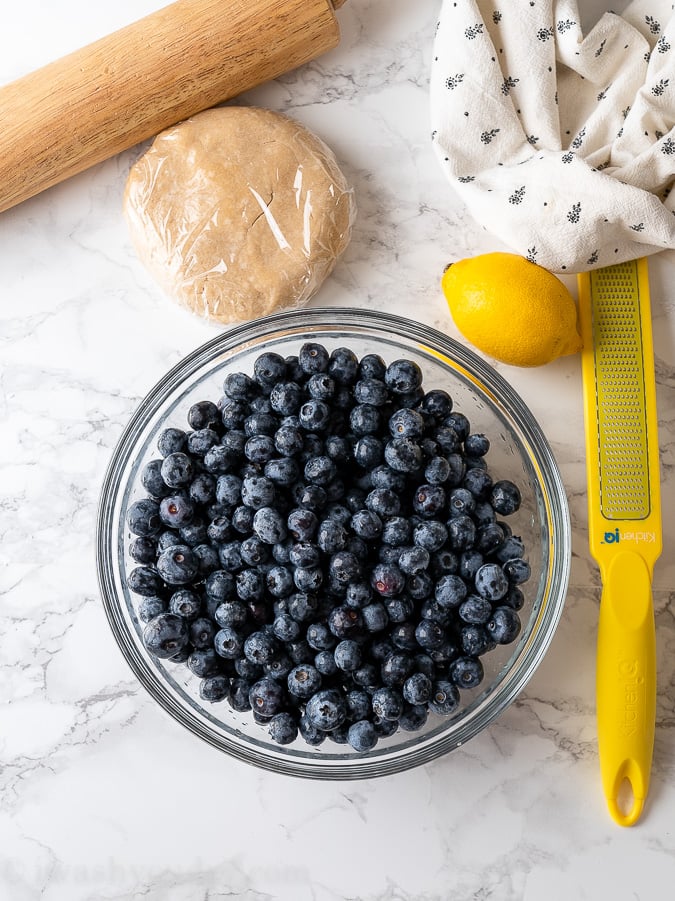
624	521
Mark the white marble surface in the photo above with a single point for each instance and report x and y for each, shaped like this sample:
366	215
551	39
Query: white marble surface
102	795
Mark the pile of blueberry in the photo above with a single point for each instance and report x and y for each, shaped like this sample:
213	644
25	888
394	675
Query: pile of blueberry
325	547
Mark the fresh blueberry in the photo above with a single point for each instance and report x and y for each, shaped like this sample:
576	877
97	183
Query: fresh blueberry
474	640
478	482
260	647
214	688
505	497
269	525
331	536
203	662
430	535
347	655
475	610
202	632
309	732
283	728
319	637
343	365
504	625
152	481
417	689
387	580
491	582
314	415
364	419
171	441
403	376
239	694
406	423
396	667
151	606
143	517
413	718
371	391
259	449
266	696
177	470
450	590
268	369
429	500
466	672
176	510
444	697
231	614
429	634
387	703
166	635
145	580
437	470
461	532
326	709
308	579
143	549
185	603
403	455
517	570
362	736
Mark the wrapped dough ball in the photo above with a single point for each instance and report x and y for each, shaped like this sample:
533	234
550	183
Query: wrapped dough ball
238	212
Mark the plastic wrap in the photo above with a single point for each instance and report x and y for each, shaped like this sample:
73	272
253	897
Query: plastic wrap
239	212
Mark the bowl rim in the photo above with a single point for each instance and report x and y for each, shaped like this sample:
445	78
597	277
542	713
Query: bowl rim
484	378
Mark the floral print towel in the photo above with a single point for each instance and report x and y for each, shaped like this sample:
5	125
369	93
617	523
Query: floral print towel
561	144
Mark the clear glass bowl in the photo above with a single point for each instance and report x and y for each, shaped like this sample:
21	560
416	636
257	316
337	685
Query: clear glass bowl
519	451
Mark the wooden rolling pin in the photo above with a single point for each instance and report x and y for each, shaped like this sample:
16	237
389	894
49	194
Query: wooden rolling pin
127	87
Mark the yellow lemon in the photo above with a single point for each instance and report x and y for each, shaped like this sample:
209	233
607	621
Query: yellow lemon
512	309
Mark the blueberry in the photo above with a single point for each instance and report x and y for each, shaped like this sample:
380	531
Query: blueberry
250	585
266	696
459	423
166	635
314	415
176	510
403	376
143	549
269	525
308	579
399	609
375	617
396	667
231	614
443	562
437	471
406	423
288	440
152	481
429	635
242	519
475	609
504	625
474	640
359	594
321	386
419	586
229	555
259	448
466	672
326	709
320	637
450	590
384	476
304	554
387	580
151	606
260	647
444	697
447	440
268	369
517	570
324	661
357	702
371	391
177	470
257	491
279	667
396	531
313	357
285	398
204	662
239	386
476	445
437	403
285	628
403	455
214	688
239	694
283	472
283	728
202	632
461	532
491	582
478	482
490	538
470	561
343	365
417	689
505	497
309	732
143	517
387	703
429	500
362	736
514	598
320	470
220	585
511	548
331	536
170	441
413	718
366	525
185	603
364	419
347	655
145	580
430	535
368	451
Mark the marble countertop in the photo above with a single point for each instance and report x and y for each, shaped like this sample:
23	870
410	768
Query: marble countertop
103	795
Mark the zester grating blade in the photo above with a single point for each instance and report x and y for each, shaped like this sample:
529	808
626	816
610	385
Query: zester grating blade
620	385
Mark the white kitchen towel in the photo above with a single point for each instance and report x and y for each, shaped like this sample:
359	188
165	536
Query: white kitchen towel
561	144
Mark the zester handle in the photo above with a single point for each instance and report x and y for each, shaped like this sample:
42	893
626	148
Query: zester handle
626	684
130	85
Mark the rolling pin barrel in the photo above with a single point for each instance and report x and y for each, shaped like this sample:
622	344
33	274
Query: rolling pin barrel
132	84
